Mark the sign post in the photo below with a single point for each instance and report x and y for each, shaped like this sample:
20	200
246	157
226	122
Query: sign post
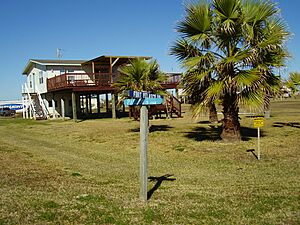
258	123
143	154
143	99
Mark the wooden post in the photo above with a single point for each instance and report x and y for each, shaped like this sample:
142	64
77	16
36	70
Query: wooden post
90	104
86	104
53	109
106	102
258	143
93	67
98	104
113	106
26	107
74	107
143	153
62	103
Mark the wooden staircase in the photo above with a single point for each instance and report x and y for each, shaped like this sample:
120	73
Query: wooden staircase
171	106
174	106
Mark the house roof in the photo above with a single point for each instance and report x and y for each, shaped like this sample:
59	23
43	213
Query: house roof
51	62
106	58
100	59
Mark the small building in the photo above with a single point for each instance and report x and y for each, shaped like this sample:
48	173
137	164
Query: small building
75	88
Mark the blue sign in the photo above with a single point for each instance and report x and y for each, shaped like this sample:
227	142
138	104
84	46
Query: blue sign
13	106
140	94
143	101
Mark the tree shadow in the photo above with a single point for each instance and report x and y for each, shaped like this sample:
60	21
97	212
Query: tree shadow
289	124
158	183
153	128
248	133
213	133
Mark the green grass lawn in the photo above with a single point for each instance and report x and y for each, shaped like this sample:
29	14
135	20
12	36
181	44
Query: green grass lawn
61	172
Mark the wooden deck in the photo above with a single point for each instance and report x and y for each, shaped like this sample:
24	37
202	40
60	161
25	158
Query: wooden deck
78	82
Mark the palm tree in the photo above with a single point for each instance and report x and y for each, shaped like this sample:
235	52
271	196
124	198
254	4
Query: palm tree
243	43
140	75
293	82
194	87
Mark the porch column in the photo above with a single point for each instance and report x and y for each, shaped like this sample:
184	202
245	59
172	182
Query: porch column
53	109
86	104
106	102
113	106
98	104
26	107
30	110
74	107
23	104
90	104
62	103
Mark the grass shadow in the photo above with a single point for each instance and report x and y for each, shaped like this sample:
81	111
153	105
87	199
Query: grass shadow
158	183
153	128
288	124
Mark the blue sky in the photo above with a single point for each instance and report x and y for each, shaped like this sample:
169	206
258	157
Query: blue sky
85	29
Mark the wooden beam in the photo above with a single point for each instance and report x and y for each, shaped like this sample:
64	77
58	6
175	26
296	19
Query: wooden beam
115	61
113	106
62	103
74	107
93	67
110	65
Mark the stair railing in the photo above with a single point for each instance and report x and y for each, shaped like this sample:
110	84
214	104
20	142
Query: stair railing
31	108
42	104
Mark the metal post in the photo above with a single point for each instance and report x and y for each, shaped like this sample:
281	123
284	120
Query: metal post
62	102
143	152
106	102
258	143
74	107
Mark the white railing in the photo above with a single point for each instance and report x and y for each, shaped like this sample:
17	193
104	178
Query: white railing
32	112
42	104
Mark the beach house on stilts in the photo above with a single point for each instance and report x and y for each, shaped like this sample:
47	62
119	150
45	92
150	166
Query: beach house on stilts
78	88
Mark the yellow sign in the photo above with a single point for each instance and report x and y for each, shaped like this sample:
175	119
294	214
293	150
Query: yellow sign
258	122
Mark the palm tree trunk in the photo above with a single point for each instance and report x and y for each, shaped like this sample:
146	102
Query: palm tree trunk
231	125
213	116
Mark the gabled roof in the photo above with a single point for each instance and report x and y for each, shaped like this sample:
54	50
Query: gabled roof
51	62
106	58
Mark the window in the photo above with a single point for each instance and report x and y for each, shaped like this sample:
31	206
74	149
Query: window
70	71
71	78
30	78
41	78
62	71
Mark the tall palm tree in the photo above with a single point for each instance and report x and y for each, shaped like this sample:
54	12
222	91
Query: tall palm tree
243	41
194	87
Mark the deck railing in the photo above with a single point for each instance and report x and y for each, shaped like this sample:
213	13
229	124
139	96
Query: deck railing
81	80
100	80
